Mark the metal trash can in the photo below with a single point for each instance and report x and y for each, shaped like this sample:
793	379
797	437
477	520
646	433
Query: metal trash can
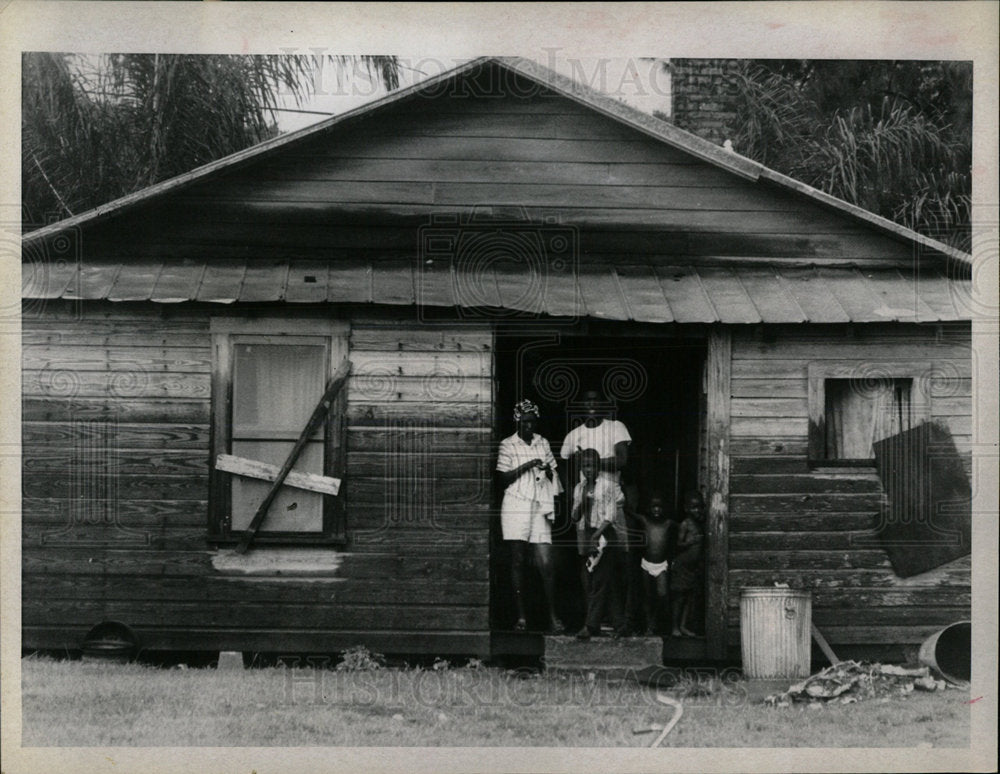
776	632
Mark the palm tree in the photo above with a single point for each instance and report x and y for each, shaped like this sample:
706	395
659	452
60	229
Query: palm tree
892	137
96	128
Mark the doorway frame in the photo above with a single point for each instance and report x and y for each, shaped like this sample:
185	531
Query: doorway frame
716	443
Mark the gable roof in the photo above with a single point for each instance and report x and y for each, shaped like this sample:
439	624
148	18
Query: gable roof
543	76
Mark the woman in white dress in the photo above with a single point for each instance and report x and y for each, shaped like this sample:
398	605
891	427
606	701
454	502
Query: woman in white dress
526	467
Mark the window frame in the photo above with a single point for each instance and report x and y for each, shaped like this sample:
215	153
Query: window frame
226	333
918	372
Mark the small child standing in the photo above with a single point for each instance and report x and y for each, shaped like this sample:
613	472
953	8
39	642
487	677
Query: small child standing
657	529
685	573
596	510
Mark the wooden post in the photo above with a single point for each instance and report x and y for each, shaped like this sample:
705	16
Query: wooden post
318	415
718	397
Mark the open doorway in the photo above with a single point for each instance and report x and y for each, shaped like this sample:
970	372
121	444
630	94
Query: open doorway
653	385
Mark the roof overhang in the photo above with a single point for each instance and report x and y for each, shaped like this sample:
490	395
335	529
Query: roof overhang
639	292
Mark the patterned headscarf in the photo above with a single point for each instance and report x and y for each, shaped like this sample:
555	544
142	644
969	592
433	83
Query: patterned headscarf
524	407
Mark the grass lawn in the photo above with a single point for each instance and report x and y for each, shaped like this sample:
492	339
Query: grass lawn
72	703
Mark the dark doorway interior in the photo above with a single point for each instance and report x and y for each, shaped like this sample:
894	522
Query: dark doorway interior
653	385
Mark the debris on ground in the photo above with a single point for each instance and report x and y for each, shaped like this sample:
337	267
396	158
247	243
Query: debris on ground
678	711
848	682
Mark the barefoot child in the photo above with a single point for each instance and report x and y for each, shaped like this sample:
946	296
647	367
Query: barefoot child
596	510
657	528
685	573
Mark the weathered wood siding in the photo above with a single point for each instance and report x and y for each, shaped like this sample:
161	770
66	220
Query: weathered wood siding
362	191
116	402
814	529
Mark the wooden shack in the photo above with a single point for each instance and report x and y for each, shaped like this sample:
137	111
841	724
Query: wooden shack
492	233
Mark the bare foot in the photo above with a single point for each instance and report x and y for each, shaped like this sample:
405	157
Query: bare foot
675	632
685	632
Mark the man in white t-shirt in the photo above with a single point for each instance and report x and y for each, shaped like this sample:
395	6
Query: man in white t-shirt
608	436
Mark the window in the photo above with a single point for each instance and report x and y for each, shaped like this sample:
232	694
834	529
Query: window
268	376
852	405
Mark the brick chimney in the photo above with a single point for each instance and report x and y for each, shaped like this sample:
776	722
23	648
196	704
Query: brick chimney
702	97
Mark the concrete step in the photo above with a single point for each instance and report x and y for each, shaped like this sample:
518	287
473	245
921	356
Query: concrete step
603	653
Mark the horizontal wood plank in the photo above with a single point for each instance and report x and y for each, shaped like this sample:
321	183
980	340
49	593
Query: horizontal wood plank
76	357
803	521
76	462
265	590
130	411
809	560
258	614
277	640
388	564
811	483
769	464
380	387
156	515
261	470
412	415
429	339
813	540
467	463
426	440
955	574
454	364
119	435
879	619
127	486
71	384
740	504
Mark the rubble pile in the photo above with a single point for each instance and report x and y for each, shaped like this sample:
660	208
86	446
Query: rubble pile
851	681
